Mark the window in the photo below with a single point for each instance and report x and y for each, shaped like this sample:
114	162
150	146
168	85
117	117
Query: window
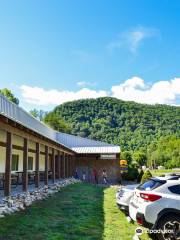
15	162
150	185
30	163
175	189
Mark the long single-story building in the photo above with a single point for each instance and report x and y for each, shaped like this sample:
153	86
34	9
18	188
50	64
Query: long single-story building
31	151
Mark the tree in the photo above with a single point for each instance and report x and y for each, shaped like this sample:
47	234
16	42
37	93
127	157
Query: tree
146	176
140	158
39	114
57	123
10	96
126	155
34	113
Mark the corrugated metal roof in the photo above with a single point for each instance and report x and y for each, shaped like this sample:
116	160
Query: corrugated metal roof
75	143
84	145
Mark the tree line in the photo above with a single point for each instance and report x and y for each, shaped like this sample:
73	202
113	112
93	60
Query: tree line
147	134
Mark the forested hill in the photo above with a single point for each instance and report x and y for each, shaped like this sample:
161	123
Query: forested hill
131	125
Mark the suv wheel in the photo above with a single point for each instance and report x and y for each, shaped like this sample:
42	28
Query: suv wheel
170	227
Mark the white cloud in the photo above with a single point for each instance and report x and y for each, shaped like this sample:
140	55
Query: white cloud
132	38
133	89
42	97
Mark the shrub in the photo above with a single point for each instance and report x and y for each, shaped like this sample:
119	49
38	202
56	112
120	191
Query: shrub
141	173
131	175
146	176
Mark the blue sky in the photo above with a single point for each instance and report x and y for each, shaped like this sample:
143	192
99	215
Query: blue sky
56	51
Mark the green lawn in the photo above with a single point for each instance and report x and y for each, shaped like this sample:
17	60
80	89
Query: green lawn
157	172
79	211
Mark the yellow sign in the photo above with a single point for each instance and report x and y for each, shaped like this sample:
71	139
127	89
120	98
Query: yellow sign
123	162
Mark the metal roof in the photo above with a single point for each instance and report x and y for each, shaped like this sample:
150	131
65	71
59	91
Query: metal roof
84	145
75	143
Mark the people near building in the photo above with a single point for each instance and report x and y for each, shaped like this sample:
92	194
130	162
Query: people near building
95	174
104	175
84	176
76	174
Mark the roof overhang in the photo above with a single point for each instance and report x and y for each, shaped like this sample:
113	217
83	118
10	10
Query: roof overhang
97	150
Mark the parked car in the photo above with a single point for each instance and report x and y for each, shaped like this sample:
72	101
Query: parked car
124	195
156	205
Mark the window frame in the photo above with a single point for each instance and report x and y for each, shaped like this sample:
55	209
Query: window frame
15	166
32	163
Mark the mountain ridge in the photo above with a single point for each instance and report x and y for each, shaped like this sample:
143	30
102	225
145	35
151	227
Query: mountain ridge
126	123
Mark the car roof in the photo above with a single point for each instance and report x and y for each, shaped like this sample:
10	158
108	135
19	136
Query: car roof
167	177
131	186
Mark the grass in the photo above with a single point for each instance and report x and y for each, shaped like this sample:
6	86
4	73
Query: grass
157	172
77	212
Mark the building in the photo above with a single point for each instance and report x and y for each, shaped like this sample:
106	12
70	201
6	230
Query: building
31	151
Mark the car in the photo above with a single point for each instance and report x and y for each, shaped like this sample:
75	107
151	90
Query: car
156	205
124	195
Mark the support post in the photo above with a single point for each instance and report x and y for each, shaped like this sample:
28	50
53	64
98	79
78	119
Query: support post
25	165
69	165
64	163
7	186
46	165
53	166
58	165
37	165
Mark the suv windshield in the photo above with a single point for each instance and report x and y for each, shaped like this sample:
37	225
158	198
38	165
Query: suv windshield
151	184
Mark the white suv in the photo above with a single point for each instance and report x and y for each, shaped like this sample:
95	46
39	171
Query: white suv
156	205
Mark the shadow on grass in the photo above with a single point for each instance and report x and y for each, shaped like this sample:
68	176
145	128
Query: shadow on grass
76	212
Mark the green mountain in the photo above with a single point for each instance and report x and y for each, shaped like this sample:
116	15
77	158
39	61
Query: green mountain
131	125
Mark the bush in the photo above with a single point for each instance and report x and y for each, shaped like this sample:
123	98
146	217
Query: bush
131	175
141	173
146	176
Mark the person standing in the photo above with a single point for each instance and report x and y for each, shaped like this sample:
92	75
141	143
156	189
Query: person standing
104	175
84	176
95	176
76	174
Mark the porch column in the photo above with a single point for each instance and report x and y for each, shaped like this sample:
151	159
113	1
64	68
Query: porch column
67	165
64	163
7	184
70	166
53	165
58	165
73	165
46	165
69	162
25	165
37	165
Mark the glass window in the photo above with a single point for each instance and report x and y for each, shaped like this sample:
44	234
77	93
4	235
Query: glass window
151	184
175	189
15	162
30	163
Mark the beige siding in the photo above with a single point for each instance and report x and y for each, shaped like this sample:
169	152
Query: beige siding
31	145
42	162
50	150
17	140
42	148
2	159
2	135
